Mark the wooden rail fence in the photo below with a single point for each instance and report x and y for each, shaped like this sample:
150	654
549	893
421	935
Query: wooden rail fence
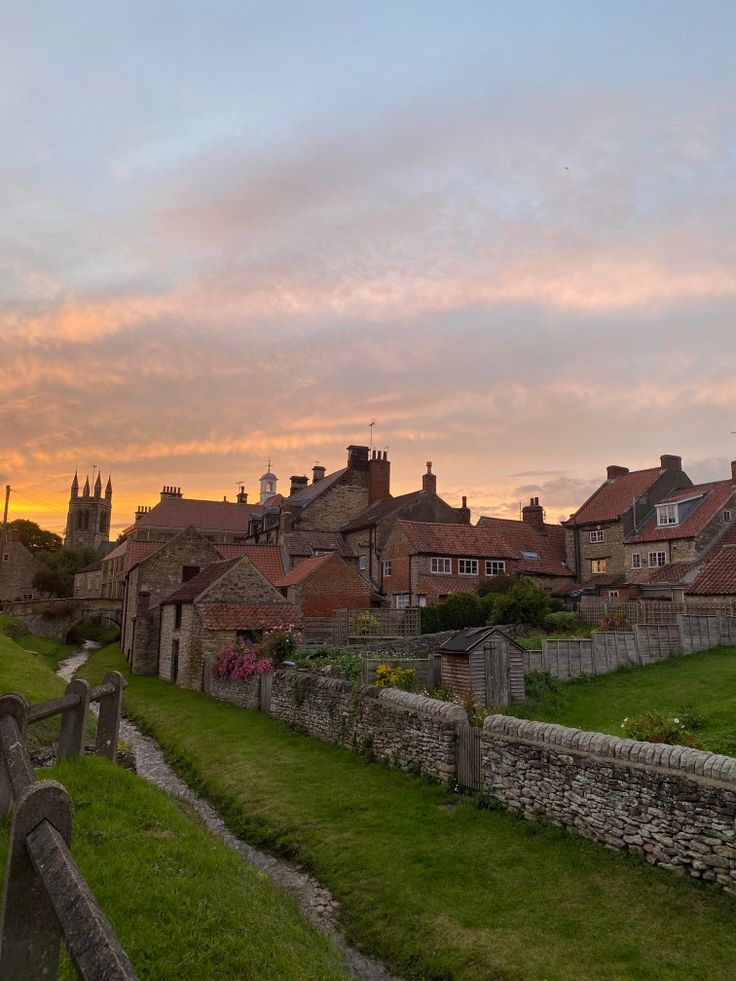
46	901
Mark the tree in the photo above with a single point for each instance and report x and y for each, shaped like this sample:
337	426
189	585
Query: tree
35	538
63	564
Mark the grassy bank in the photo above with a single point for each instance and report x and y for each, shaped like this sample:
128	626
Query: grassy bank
435	885
704	682
182	904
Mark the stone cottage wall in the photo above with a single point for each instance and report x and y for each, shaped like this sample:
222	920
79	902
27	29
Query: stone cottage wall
408	731
675	805
244	694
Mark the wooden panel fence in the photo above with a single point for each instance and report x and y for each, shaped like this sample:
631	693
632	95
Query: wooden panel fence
363	626
467	747
46	901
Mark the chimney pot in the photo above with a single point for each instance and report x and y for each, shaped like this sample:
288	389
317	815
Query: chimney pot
464	512
429	480
533	514
379	478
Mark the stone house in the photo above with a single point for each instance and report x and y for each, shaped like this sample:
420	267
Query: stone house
596	534
424	563
368	532
150	581
18	566
325	583
219	521
88	581
227	600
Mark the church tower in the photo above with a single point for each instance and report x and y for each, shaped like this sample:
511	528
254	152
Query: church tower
88	518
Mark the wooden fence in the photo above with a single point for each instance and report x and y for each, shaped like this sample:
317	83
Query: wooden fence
46	901
362	626
428	669
468	759
630	612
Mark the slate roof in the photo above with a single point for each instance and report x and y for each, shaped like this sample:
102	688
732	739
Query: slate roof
248	616
715	496
183	512
92	567
311	492
380	510
492	538
310	542
466	640
719	573
189	591
613	498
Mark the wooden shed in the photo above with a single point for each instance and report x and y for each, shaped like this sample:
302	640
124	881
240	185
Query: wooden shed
485	663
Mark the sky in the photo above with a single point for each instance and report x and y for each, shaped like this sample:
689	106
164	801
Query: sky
237	231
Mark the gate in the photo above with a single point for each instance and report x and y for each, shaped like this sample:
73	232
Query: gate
467	767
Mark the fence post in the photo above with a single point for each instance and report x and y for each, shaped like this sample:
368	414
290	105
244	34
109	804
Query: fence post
17	706
108	723
74	721
264	701
30	938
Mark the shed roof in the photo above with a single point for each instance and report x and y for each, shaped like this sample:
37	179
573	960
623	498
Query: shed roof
465	641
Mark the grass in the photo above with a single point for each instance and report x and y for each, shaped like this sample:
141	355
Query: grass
29	674
434	885
705	682
183	905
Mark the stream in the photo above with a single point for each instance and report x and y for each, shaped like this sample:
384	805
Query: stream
316	903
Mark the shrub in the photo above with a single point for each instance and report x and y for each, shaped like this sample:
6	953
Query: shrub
539	684
279	646
563	622
241	661
396	677
15	629
525	602
500	583
350	663
366	624
654	727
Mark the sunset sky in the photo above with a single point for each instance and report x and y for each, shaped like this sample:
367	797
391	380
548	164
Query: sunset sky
506	232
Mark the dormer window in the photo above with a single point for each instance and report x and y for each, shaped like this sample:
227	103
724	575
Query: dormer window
667	515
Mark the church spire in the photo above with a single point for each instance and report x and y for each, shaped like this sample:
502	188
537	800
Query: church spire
85	489
108	488
98	485
75	486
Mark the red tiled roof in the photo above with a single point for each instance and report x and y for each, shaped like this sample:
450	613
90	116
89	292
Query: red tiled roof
669	574
719	573
492	538
182	512
268	559
197	584
715	497
245	616
141	550
436	586
304	570
614	497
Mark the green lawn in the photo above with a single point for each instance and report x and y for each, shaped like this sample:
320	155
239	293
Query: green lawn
705	682
29	674
53	652
436	886
183	905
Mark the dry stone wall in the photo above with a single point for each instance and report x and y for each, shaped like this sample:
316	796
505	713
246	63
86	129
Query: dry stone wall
244	694
675	805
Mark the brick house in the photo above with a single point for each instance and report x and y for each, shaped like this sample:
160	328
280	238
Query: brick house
329	502
18	566
368	532
596	534
227	600
148	582
325	583
716	581
424	563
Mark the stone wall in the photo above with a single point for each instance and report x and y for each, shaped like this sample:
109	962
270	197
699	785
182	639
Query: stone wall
420	646
408	731
675	805
244	694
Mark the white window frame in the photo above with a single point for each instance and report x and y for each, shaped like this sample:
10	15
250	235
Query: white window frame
613	594
656	564
636	560
422	599
597	537
439	565
667	515
599	571
463	564
402	601
362	564
495	567
386	568
727	514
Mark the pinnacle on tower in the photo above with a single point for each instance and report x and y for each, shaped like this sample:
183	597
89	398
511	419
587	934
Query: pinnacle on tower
85	489
75	486
98	486
108	488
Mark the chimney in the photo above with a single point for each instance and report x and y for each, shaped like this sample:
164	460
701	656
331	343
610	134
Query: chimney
533	514
285	521
463	513
242	497
317	473
141	510
613	471
670	462
297	483
379	477
733	470
168	492
358	457
429	480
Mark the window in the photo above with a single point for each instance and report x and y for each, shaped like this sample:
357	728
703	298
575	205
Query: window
401	601
727	515
656	559
468	567
636	560
666	515
6	557
442	567
495	567
530	556
598	565
361	563
422	599
613	594
177	616
597	536
27	596
386	568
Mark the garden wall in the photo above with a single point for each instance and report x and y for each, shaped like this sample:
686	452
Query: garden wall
244	694
675	805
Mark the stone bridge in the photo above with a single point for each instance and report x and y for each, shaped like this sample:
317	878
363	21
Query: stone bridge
56	617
